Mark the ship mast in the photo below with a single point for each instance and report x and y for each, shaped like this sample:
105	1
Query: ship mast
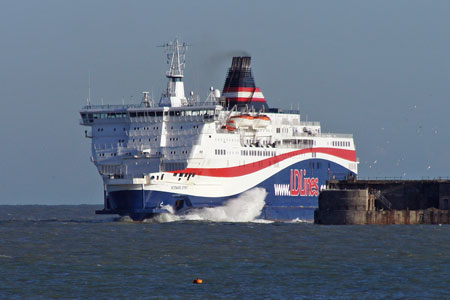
174	95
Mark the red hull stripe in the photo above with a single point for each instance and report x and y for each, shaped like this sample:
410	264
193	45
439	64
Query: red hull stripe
262	164
247	99
241	89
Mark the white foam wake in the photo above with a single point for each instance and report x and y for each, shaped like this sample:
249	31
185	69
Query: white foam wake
244	208
298	220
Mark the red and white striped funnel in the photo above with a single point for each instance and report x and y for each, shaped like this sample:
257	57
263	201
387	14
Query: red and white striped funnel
240	89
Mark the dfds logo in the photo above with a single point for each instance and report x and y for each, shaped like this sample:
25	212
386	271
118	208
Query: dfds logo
300	185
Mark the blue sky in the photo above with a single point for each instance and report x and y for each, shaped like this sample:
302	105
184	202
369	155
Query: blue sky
377	69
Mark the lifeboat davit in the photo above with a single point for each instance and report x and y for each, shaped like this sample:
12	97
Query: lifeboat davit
261	121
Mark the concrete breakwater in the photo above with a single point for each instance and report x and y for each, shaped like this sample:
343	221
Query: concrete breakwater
384	202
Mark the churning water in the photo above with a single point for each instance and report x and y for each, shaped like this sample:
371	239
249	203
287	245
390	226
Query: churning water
66	252
244	208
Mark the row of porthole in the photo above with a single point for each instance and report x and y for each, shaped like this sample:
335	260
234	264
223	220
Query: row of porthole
156	127
257	153
182	152
140	140
184	174
101	129
226	140
282	130
157	177
145	128
220	151
111	154
129	154
340	144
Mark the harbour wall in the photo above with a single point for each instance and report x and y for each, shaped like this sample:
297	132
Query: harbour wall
350	202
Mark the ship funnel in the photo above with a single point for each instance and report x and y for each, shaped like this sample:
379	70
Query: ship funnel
240	89
241	63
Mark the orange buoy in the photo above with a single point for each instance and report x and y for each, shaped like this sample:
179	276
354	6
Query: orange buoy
198	281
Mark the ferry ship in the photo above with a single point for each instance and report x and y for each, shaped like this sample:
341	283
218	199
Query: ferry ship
185	153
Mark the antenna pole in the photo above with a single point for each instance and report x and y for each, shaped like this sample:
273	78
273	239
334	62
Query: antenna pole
89	87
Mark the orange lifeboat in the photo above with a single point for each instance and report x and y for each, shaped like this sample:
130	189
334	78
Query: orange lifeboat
243	120
231	125
261	121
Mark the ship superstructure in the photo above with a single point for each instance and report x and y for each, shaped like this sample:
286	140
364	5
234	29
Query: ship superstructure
186	153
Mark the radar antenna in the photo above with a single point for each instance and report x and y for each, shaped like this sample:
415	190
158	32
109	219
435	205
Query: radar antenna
174	95
176	52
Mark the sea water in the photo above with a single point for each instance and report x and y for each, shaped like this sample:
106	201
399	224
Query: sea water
67	252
